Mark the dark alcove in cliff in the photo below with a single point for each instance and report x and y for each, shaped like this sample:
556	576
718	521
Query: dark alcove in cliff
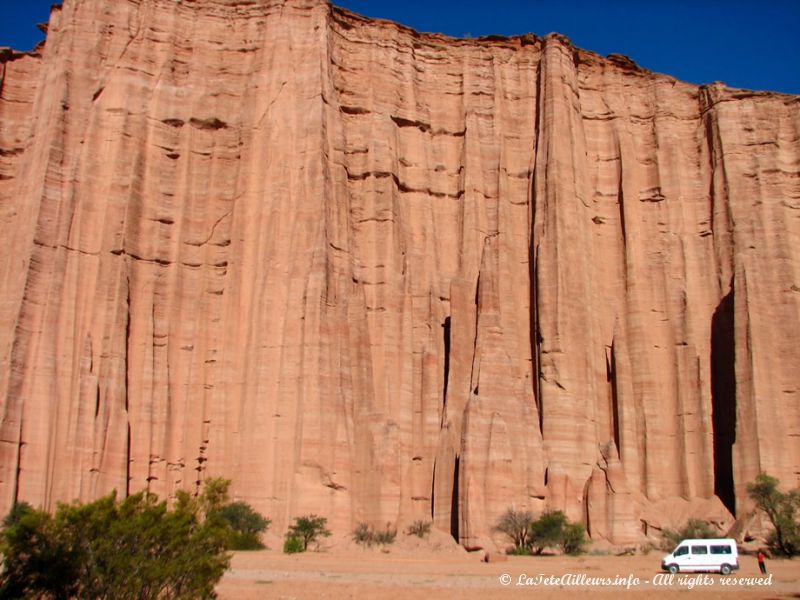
446	327
536	336
723	399
454	502
611	377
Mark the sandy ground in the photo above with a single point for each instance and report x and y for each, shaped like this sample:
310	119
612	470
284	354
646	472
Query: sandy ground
422	573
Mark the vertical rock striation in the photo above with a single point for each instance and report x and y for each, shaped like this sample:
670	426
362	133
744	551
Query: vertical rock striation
383	276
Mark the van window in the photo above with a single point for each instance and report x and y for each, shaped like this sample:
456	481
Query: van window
699	549
681	551
717	549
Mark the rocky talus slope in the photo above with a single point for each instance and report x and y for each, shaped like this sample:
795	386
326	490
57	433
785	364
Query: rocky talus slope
384	276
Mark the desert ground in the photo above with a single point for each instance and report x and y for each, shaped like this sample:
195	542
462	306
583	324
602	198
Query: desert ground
417	571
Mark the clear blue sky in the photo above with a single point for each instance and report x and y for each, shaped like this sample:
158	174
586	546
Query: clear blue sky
752	44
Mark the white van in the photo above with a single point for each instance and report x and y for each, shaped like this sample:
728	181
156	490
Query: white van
703	555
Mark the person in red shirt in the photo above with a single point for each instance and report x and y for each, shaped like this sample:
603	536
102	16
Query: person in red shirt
761	564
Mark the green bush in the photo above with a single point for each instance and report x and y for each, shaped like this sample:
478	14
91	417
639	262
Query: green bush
551	530
309	529
419	528
362	534
245	525
781	509
292	545
386	536
548	531
366	535
134	548
695	529
242	524
38	558
574	541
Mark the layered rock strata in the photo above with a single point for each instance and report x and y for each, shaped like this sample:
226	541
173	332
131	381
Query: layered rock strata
385	276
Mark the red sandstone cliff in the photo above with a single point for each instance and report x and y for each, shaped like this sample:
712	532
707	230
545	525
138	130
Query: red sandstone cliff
381	275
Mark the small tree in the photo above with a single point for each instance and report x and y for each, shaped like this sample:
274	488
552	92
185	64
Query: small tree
695	529
292	545
245	525
548	531
551	530
781	509
517	525
239	520
574	542
308	529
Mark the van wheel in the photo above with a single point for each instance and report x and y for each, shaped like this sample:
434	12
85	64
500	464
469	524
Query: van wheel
674	569
725	569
